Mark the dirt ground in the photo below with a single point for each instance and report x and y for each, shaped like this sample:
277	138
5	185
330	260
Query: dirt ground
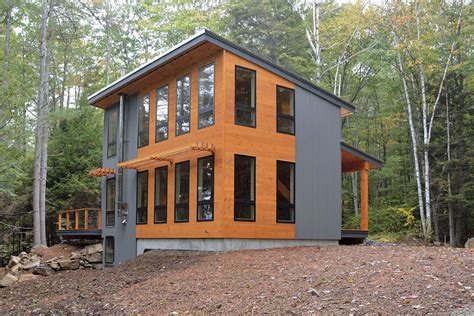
343	279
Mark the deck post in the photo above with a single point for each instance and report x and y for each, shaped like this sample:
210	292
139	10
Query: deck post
364	197
99	219
76	219
86	219
67	220
60	220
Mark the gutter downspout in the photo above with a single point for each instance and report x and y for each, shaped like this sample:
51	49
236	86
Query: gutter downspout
123	214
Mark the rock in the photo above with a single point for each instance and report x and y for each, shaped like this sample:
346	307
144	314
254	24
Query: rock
30	264
97	266
8	280
313	292
15	268
54	265
13	261
76	255
91	249
469	243
43	269
38	247
93	258
437	243
68	264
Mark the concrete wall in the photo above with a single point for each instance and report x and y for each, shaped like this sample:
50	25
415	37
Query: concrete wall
318	167
124	234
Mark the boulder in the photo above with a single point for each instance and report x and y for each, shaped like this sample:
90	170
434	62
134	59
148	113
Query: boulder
93	258
8	280
30	264
54	265
15	268
68	264
43	269
76	255
469	243
22	254
97	266
13	261
91	249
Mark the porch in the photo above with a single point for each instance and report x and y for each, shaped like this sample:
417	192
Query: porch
82	223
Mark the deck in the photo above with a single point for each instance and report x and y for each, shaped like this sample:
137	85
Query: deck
83	223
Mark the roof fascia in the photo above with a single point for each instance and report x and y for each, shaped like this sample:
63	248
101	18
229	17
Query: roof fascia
363	155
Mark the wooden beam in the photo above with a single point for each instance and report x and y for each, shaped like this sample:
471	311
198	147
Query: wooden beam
60	221
364	197
67	221
76	219
99	219
353	166
86	219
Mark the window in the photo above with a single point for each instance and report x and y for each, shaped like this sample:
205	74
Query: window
143	120
285	110
161	114
110	202
161	194
112	125
205	189
245	96
244	188
206	96
285	192
109	249
142	197
183	105
181	202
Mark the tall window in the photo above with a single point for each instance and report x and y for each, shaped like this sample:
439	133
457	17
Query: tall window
142	197
285	192
112	125
161	114
206	96
181	202
161	194
109	249
183	105
244	188
245	96
143	120
285	110
110	202
205	189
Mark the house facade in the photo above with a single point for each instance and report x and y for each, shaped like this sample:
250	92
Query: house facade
212	147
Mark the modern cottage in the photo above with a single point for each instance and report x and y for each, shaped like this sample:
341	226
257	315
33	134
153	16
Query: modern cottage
212	147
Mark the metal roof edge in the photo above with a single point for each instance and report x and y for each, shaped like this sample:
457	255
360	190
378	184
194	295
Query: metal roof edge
362	154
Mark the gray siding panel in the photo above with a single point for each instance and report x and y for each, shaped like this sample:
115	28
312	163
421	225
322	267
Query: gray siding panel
318	168
124	234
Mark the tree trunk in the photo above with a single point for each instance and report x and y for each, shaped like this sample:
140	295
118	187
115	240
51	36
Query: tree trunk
450	193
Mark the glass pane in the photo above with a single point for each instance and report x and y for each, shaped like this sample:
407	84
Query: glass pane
286	125
182	182
182	126
112	132
161	186
109	249
244	87
205	178
143	120
244	178
285	182
181	213
110	202
205	212
183	104
141	215
160	214
244	211
162	113
206	96
285	101
142	189
286	214
245	117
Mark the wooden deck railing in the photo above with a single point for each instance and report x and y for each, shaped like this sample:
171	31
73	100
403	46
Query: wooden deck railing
80	219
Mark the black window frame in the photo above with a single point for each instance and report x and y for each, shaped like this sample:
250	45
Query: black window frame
167	114
114	138
107	242
176	106
143	208
245	108
280	205
107	211
147	131
242	202
161	207
189	187
285	116
213	110
206	202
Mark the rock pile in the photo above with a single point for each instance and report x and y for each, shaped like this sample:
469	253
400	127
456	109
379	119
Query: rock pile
89	257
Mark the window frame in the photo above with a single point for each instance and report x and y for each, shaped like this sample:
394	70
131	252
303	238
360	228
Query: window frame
176	105
245	108
147	131
289	205
167	113
213	97
107	240
107	199
188	162
136	202
254	202
114	108
211	202
285	116
165	207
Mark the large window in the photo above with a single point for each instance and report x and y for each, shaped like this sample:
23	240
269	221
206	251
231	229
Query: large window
143	120
161	114
245	113
206	96
161	194
109	249
112	125
110	202
244	188
285	110
205	189
183	105
142	197
181	202
285	192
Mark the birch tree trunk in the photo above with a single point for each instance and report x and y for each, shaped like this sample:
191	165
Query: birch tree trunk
450	193
6	49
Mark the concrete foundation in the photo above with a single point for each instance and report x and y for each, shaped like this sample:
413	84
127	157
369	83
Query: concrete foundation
216	244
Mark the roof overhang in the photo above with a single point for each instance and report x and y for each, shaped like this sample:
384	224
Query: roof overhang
208	36
354	159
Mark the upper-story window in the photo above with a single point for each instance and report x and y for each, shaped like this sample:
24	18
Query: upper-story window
143	120
245	96
112	125
206	96
285	110
285	192
161	114
142	197
183	105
